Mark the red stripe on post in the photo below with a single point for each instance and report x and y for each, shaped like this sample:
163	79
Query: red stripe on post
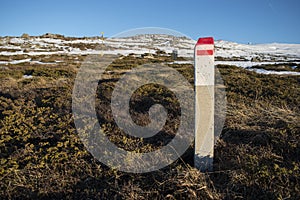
207	40
205	52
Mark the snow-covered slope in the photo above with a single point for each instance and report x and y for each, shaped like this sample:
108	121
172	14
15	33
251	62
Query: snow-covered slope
227	53
266	52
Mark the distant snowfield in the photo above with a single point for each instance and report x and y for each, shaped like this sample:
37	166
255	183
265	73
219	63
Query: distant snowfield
227	53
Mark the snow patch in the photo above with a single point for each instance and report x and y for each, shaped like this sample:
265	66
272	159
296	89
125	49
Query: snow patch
14	62
263	71
27	76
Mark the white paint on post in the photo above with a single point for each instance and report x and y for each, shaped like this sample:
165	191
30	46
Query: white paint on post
204	100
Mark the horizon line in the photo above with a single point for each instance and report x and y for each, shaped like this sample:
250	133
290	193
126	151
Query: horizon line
94	36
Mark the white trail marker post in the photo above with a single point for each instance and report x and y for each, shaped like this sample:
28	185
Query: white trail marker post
204	100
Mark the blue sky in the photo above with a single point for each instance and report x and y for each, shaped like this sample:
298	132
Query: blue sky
255	21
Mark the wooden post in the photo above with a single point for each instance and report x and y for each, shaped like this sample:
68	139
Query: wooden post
204	104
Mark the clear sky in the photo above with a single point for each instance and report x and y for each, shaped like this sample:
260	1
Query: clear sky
255	21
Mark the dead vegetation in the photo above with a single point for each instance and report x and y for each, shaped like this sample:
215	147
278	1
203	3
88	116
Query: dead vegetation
257	156
280	67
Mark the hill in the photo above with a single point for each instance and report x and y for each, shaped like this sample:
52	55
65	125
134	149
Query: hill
42	156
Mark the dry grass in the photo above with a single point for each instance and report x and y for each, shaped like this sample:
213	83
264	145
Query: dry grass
257	156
